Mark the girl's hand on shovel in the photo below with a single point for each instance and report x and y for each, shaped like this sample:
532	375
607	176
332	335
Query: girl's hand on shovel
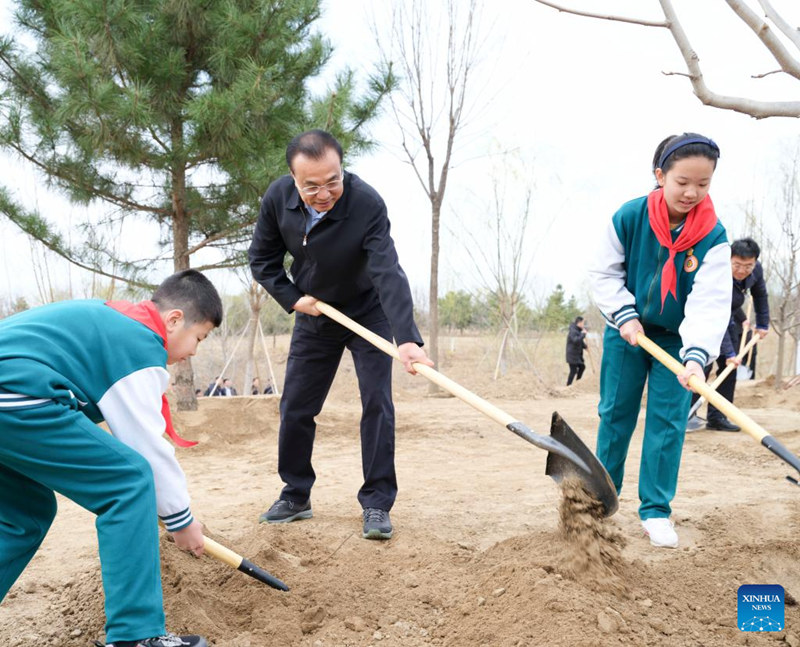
190	538
410	353
630	330
692	368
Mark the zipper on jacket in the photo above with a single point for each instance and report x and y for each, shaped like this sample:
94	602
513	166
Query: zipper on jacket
305	236
656	276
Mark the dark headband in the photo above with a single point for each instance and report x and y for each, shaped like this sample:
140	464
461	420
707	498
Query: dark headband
685	142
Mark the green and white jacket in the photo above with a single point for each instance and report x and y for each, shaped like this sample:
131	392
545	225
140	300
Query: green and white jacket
91	358
626	278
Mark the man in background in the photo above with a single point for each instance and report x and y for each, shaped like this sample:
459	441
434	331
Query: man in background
748	275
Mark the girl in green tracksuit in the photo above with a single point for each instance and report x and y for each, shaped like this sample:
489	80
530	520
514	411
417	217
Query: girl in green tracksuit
663	268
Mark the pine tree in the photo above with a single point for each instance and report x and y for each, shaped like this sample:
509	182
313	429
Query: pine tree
177	112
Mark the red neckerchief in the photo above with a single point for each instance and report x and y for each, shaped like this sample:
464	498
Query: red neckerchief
146	313
699	222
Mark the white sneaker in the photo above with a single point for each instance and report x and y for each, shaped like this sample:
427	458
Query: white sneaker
661	532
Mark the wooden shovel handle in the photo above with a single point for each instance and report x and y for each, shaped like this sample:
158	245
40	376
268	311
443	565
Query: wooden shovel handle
725	372
730	367
234	560
747	424
487	408
221	553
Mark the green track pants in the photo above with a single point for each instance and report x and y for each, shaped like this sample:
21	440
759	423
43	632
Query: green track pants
52	448
623	374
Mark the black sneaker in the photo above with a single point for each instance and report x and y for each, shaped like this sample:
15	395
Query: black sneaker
722	424
377	524
283	511
170	640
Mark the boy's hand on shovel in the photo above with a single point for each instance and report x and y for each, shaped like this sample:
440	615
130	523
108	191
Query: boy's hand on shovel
410	353
190	538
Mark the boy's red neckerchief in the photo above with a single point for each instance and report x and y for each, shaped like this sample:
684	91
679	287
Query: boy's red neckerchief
699	222
146	313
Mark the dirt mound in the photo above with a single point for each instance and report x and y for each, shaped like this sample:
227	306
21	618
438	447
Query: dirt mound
420	590
487	552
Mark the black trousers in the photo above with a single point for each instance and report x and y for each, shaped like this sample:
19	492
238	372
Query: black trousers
575	372
726	389
314	355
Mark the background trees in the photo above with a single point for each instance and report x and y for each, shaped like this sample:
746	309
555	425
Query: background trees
783	260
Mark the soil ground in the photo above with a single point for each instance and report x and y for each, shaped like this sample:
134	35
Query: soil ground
478	557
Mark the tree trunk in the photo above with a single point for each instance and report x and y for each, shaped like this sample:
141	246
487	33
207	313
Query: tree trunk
433	300
796	355
183	374
500	366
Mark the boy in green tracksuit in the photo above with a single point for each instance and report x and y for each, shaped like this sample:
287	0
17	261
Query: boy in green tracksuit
662	269
65	367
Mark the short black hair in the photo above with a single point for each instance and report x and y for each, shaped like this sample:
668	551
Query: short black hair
705	147
313	144
745	248
578	319
192	293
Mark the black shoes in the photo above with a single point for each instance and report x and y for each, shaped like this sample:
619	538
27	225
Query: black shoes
377	524
722	424
283	511
170	640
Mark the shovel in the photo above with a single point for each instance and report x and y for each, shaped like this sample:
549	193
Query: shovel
725	372
234	560
567	455
747	424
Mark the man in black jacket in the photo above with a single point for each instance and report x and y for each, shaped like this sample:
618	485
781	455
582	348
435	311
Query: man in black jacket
336	228
748	275
576	342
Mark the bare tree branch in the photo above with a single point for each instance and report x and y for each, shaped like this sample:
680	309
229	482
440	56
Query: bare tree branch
790	32
759	109
761	29
589	14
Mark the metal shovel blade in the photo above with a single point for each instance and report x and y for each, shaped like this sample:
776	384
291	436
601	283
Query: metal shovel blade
743	372
589	469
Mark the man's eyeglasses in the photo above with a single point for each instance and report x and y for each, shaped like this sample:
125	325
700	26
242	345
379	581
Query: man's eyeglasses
743	266
314	189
